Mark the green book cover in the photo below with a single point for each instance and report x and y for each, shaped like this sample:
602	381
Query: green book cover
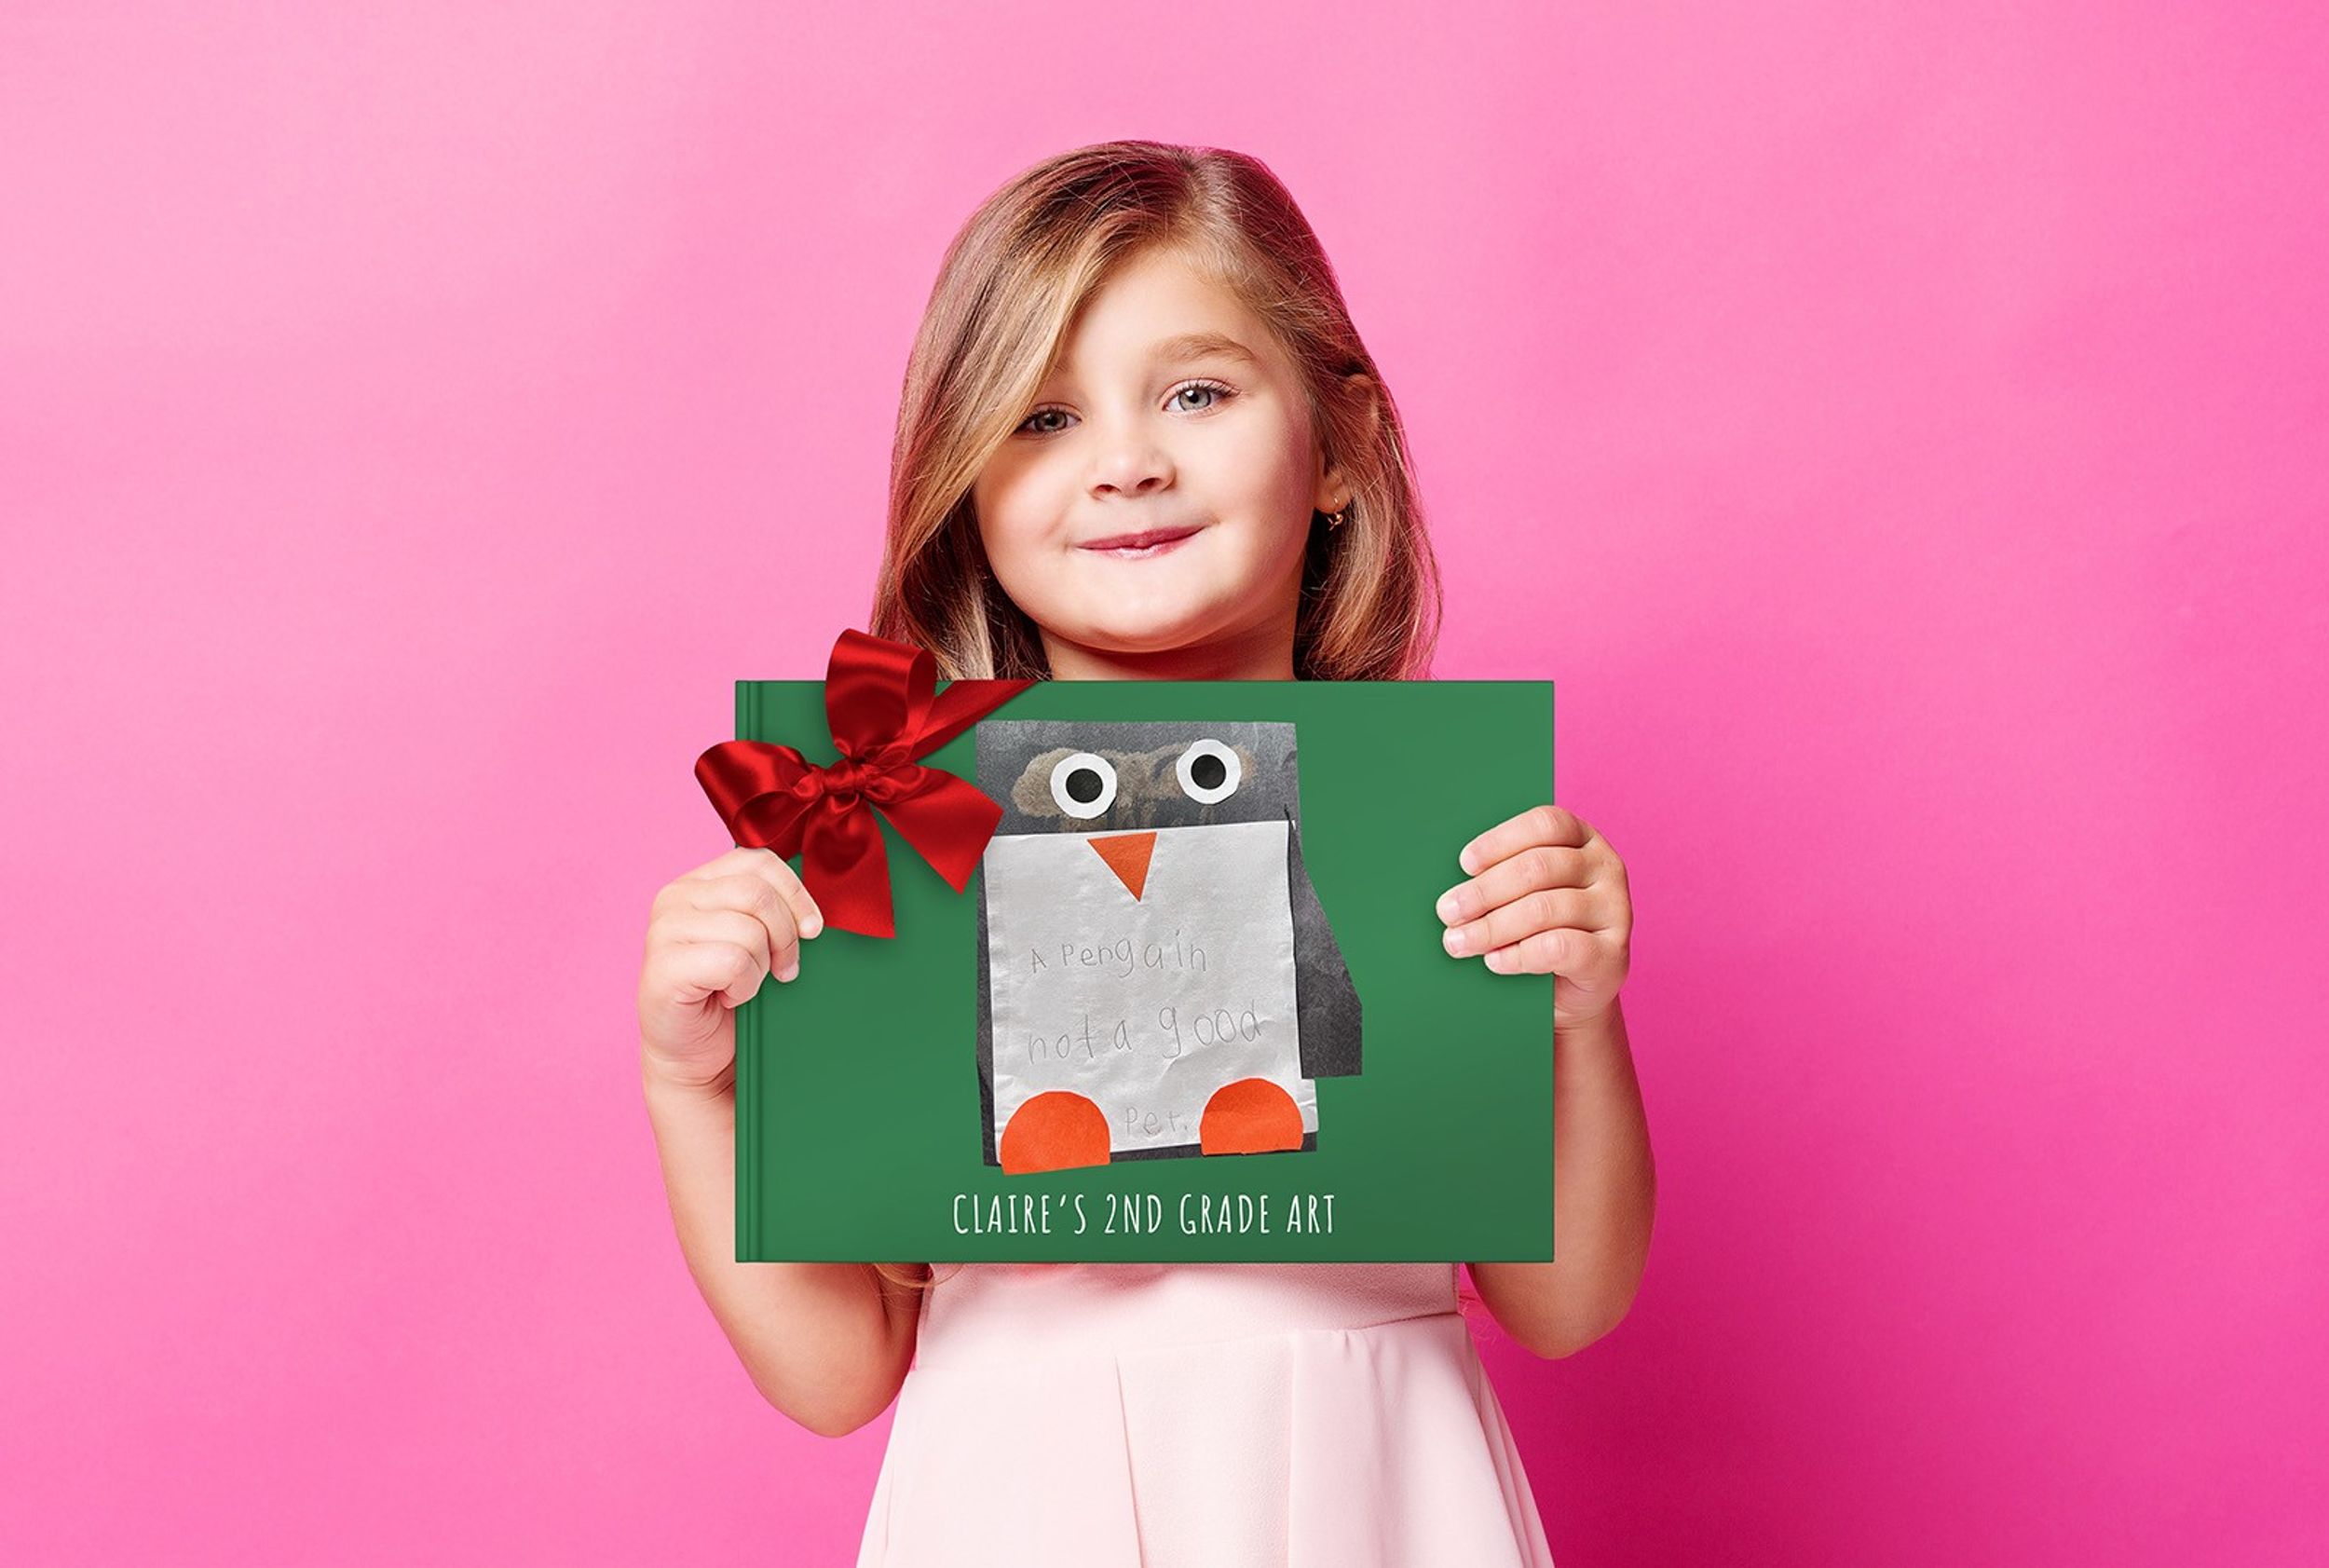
1192	1005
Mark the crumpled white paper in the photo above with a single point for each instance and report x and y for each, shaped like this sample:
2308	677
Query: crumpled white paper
1145	1005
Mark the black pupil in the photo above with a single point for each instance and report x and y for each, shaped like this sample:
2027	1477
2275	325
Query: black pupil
1206	772
1084	785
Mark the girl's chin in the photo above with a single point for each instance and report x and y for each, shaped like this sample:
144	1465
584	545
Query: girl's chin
1151	605
1141	640
1133	634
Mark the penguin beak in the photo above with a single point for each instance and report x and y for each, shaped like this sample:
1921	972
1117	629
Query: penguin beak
1127	855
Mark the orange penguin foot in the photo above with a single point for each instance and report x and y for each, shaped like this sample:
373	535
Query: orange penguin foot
1251	1116
1057	1130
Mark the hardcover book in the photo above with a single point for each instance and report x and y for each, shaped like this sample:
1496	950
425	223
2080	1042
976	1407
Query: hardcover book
1190	1001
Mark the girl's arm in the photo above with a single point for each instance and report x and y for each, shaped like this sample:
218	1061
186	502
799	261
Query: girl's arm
1604	1198
827	1343
1548	895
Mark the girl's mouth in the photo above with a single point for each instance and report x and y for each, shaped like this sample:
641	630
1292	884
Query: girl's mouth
1145	545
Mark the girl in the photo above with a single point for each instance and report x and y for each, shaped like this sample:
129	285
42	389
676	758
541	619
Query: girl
1140	439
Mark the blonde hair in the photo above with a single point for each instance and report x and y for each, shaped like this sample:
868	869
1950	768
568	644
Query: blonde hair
996	323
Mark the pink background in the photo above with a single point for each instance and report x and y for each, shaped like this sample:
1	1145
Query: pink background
1898	429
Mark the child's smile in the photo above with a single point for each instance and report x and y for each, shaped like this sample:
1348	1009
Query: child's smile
1144	545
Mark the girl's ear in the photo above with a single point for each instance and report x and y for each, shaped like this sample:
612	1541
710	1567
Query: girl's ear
1334	481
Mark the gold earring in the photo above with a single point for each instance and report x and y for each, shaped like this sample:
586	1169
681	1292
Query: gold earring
1336	520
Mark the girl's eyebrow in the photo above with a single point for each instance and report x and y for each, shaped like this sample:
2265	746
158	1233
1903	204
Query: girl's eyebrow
1197	344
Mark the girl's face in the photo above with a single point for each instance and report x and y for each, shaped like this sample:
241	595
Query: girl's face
1151	512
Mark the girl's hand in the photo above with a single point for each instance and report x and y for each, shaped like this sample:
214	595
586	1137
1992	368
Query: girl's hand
1547	895
711	939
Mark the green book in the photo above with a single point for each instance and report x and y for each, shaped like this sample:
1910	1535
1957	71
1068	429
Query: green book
1192	1005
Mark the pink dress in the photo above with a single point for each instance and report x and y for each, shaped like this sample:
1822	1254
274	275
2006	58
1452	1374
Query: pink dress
1199	1415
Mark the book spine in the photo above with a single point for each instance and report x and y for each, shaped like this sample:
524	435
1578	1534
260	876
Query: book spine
748	1237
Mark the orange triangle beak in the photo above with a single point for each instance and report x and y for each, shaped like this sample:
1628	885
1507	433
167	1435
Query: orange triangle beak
1127	855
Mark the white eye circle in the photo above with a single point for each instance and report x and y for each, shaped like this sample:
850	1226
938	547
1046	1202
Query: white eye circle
1208	770
1071	782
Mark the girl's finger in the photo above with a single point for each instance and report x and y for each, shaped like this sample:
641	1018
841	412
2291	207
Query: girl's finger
1540	865
731	926
761	899
1545	952
776	871
689	971
1542	910
1539	824
780	873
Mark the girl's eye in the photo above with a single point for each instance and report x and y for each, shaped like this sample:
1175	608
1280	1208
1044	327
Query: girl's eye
1216	394
1215	388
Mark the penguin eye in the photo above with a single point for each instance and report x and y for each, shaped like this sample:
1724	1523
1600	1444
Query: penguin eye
1208	772
1084	784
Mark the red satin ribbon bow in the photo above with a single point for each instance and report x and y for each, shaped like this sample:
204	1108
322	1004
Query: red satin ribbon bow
884	710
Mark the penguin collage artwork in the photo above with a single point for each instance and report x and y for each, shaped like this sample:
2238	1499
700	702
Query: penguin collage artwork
1157	976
